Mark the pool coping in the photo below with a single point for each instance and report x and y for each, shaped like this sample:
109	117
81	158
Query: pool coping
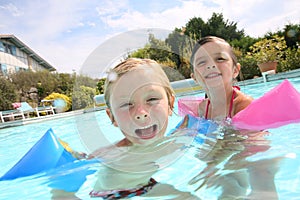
31	120
272	77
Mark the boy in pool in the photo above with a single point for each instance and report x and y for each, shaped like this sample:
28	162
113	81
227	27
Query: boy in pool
139	101
214	67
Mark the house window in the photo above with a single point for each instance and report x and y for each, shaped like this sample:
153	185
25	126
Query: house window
17	68
1	47
7	48
10	49
3	69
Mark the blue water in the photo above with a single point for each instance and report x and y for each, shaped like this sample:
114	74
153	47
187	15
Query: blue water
186	175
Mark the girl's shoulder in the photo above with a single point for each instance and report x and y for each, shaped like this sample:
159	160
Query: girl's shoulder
241	101
202	107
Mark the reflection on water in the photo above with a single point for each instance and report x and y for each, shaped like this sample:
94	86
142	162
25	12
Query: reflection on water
222	164
230	170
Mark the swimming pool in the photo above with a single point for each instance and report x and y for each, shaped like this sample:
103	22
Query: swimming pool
283	148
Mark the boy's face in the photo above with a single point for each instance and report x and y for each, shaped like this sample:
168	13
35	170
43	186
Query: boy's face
213	65
139	105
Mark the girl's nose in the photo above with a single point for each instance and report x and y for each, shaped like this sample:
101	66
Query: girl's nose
211	67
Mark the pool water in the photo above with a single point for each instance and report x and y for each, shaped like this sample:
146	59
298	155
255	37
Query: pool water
202	174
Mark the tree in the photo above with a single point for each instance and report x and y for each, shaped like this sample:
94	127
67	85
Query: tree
83	97
292	35
196	28
225	29
243	44
44	80
177	42
7	94
100	86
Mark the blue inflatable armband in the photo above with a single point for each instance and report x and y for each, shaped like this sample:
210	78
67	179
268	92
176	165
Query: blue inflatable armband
46	154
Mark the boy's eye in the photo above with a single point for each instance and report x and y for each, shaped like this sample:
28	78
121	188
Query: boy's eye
125	105
153	99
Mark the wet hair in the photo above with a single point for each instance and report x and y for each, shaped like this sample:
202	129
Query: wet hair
132	64
205	40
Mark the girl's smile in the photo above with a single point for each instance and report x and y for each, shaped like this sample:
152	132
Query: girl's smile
212	75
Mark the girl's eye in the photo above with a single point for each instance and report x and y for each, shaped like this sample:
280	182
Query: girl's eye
201	63
220	59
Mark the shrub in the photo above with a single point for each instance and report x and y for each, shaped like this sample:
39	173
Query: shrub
292	60
100	86
62	102
83	97
7	94
249	68
268	50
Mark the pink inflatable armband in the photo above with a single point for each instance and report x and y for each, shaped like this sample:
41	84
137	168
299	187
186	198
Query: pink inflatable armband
189	105
278	107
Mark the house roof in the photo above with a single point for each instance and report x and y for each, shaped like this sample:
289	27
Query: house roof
18	43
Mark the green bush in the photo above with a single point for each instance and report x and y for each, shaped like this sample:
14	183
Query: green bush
7	94
100	86
83	97
268	50
292	60
249	68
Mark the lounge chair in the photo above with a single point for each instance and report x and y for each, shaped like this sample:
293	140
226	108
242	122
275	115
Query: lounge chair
45	108
99	101
25	108
11	114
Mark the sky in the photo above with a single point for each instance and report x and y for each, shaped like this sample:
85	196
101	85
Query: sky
67	32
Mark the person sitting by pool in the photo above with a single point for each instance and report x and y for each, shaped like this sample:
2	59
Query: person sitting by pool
214	67
139	101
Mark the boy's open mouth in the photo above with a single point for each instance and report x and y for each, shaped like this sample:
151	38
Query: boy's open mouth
147	132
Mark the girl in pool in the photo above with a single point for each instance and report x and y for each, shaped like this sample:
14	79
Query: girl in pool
139	101
214	67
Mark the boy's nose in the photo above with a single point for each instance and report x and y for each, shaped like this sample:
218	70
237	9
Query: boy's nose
141	113
141	116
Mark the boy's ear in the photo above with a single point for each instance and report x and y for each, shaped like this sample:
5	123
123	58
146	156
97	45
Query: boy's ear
111	117
171	106
236	70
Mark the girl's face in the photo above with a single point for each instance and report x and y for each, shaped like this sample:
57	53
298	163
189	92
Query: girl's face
139	106
213	65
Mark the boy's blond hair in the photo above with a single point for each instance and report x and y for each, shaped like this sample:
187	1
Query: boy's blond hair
131	64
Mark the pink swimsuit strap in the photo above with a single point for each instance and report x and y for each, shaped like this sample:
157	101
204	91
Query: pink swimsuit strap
230	106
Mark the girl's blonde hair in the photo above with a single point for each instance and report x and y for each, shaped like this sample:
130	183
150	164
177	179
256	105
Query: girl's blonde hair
131	64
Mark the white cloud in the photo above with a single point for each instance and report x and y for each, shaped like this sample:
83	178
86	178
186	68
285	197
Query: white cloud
128	19
65	32
111	8
256	17
11	8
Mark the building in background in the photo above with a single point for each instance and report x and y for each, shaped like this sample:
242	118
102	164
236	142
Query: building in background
16	56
